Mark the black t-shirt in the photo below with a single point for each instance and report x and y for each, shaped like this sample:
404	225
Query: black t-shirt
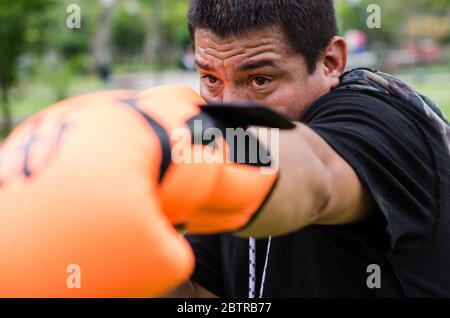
406	167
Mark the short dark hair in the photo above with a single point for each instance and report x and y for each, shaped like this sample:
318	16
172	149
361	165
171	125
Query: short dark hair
308	25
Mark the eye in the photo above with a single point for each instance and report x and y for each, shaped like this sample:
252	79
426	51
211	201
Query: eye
210	80
260	81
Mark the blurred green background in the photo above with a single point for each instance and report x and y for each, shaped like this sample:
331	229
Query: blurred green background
138	44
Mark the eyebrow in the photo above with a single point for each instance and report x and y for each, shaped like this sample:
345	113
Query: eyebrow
255	65
245	67
203	66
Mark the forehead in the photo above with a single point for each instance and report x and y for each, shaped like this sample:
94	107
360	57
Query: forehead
269	41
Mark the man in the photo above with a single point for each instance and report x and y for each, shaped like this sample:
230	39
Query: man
362	204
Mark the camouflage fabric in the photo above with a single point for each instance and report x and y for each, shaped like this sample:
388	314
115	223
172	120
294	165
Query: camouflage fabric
363	79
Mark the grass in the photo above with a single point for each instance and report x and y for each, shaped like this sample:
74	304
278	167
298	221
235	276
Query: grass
438	92
432	81
31	97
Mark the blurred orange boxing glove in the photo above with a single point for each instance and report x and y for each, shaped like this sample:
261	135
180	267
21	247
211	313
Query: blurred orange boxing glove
80	216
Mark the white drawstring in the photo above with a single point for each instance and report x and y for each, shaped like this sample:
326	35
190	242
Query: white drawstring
263	279
252	268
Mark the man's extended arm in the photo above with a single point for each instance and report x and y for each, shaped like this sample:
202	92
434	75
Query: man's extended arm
316	186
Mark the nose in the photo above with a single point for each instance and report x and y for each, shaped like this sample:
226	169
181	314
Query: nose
232	94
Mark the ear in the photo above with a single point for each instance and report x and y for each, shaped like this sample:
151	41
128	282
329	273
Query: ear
334	59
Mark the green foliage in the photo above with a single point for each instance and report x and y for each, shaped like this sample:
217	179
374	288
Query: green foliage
173	19
128	34
353	14
15	16
71	42
62	75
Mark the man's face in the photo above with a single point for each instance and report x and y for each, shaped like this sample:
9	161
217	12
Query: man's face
258	66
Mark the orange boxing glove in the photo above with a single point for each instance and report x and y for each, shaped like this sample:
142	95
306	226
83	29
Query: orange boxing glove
80	216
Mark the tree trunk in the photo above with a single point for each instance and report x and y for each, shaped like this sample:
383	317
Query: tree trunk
153	39
6	112
101	48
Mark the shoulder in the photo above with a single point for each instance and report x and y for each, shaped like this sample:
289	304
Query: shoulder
361	103
374	119
395	151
